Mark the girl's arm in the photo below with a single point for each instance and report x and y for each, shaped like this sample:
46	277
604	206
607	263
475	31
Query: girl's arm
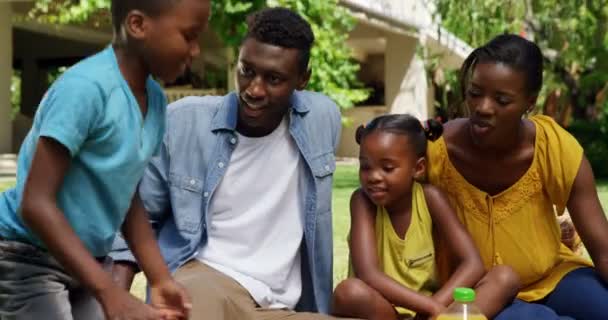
41	214
365	263
463	253
588	217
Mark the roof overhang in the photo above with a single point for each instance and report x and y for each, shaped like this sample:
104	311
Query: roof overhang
407	15
63	31
451	49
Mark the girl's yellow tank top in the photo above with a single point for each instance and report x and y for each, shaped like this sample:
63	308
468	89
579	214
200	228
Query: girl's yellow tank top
409	261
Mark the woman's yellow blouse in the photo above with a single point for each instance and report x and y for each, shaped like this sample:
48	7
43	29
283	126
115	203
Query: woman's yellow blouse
518	227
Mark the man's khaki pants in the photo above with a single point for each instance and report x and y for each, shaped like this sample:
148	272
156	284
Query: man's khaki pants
216	296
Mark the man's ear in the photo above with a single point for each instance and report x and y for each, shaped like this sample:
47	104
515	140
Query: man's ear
136	24
304	78
420	169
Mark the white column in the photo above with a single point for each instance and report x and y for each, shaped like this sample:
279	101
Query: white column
231	69
405	77
6	71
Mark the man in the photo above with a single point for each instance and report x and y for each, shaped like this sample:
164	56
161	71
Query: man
241	192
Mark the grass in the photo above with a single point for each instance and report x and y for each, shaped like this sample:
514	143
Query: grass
6	184
345	181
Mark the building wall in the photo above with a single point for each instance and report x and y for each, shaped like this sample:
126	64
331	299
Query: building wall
355	117
6	71
405	77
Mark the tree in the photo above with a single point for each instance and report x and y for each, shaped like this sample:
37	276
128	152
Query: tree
334	72
571	33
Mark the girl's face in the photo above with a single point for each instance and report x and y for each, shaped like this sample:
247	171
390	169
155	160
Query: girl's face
497	99
388	167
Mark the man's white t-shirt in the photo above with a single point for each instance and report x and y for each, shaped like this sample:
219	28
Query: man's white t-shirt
255	222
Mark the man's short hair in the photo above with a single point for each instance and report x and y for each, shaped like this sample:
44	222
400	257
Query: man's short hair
284	28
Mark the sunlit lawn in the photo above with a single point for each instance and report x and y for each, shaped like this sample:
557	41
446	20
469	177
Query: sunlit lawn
345	181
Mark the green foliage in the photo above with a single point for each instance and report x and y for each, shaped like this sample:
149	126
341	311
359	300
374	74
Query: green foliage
334	72
228	19
15	93
571	33
96	12
594	139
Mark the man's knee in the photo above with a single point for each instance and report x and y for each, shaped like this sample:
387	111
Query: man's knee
351	291
204	287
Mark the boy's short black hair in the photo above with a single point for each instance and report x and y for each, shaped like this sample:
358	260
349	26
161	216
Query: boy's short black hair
284	28
120	9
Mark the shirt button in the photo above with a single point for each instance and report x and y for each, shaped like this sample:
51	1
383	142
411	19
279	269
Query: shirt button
327	167
192	182
233	140
206	194
221	164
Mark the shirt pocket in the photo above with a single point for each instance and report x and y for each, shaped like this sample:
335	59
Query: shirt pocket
419	270
323	166
187	183
186	201
418	260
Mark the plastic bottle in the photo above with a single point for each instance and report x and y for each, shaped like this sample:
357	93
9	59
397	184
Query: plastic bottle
463	307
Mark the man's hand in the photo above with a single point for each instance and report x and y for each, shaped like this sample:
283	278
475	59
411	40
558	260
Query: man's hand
120	304
171	299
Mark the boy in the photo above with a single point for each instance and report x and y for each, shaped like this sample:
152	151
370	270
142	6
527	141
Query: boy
93	135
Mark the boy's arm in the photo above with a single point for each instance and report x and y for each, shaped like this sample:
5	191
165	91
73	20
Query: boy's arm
155	191
365	260
469	267
165	292
41	214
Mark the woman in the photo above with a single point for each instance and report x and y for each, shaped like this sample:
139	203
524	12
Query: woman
505	173
508	175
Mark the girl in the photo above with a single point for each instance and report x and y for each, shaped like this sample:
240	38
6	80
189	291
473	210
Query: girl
391	238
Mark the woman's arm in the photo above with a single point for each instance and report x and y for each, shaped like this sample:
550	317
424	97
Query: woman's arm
588	217
463	253
365	262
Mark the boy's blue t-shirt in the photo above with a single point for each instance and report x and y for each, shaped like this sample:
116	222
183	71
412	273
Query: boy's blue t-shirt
91	110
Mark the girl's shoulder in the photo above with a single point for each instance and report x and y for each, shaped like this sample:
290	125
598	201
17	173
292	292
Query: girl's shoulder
432	193
361	204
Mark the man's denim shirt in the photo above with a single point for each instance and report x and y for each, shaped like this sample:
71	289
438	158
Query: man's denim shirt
199	140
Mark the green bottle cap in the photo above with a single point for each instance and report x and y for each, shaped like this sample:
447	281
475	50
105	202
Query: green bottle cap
464	295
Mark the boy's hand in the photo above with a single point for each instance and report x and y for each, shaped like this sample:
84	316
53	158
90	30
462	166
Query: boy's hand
171	299
120	304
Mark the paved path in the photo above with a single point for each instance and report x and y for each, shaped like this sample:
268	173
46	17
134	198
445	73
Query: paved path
8	167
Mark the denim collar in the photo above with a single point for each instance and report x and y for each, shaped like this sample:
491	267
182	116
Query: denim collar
226	117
